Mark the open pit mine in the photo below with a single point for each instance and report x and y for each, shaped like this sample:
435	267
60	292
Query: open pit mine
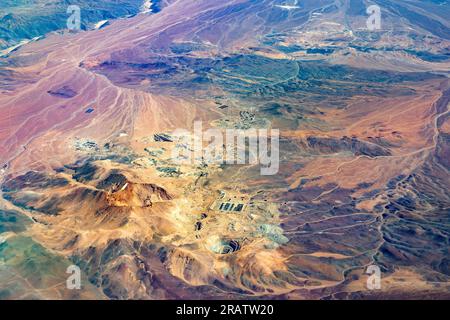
90	186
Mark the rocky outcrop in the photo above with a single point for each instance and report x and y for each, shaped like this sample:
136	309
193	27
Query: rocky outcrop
346	144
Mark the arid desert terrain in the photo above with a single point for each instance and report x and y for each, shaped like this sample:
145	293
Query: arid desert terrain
87	176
